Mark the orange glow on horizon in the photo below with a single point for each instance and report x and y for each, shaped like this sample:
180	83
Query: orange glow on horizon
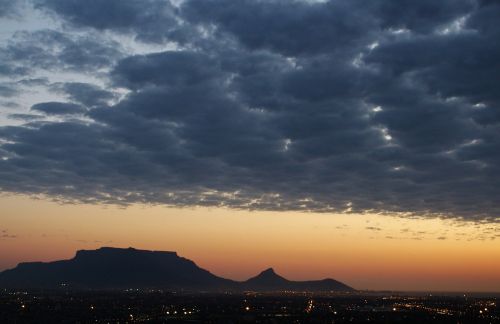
365	251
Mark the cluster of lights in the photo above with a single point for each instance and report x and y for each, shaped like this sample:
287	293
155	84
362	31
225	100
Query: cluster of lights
184	311
310	306
482	308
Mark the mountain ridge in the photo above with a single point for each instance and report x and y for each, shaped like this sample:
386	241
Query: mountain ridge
122	268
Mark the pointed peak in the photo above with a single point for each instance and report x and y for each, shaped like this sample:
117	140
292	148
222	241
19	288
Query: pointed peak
269	274
267	278
268	271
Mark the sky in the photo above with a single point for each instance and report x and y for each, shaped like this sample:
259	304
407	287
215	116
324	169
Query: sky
348	139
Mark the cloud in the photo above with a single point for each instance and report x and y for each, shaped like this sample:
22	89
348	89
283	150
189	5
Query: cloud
148	20
86	94
8	8
5	235
33	82
9	104
29	51
289	27
302	27
25	117
338	106
58	108
184	69
7	90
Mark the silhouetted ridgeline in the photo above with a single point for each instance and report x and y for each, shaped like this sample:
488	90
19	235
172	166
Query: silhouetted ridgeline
115	268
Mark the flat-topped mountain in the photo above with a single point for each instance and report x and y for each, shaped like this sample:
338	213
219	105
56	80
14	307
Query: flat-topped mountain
110	268
116	268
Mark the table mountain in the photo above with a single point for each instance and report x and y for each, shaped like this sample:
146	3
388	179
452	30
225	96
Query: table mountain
116	268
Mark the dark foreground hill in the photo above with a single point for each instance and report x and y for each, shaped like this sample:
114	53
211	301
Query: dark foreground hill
115	268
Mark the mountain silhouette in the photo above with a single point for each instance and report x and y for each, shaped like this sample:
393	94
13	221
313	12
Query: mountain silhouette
268	280
111	268
116	268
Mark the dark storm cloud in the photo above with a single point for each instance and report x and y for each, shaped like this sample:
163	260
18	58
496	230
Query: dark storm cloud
7	90
34	82
86	94
52	50
25	117
8	8
9	104
290	27
58	108
341	106
149	20
7	69
184	69
302	27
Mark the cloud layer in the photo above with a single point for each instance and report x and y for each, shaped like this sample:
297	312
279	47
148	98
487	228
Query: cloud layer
339	106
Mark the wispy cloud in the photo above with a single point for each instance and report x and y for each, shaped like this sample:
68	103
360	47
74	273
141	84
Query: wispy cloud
5	235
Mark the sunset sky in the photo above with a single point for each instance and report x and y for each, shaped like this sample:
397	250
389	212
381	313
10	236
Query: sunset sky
357	140
365	251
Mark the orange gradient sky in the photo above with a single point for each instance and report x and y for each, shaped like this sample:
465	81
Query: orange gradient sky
365	251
